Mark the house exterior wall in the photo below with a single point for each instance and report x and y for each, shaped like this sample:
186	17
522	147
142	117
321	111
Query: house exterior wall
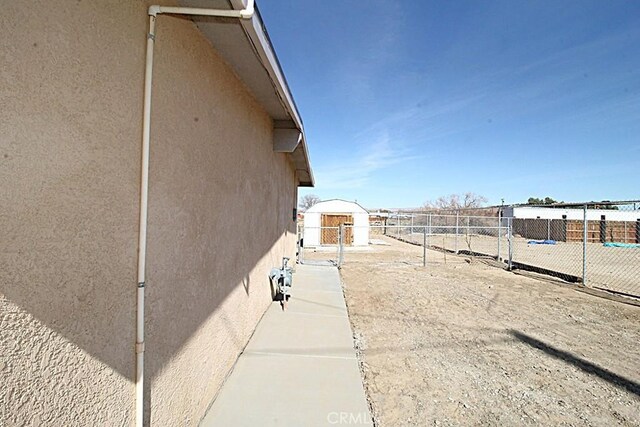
313	221
220	215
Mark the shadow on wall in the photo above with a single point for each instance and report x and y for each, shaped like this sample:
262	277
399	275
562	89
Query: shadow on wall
72	261
91	303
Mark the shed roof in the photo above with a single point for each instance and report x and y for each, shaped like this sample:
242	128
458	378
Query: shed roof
245	46
336	206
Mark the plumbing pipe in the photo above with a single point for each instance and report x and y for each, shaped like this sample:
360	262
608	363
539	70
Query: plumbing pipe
142	236
246	13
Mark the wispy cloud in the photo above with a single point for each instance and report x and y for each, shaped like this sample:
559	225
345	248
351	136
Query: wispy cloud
370	159
374	51
565	58
576	79
424	114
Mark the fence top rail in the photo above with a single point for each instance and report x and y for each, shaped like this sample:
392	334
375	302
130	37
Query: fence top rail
420	227
590	205
434	215
492	210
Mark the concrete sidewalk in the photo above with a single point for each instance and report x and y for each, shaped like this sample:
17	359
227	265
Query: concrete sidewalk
300	367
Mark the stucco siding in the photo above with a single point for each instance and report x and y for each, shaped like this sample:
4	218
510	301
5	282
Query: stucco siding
220	218
220	215
69	170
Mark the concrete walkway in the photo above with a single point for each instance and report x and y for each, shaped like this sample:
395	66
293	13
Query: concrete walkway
300	367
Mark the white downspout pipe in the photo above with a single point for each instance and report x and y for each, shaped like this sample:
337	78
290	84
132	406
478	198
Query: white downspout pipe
246	13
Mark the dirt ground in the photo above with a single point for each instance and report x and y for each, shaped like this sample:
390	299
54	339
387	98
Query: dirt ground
466	343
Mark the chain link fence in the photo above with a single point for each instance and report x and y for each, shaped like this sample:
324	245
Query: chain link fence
459	234
597	245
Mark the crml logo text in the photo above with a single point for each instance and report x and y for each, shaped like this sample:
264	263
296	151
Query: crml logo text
347	418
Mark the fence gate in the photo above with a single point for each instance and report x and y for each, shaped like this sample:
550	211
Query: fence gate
329	235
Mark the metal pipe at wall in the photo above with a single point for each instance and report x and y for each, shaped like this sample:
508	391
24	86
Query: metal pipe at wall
245	13
142	229
155	10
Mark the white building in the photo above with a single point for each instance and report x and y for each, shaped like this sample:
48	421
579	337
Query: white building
321	222
526	212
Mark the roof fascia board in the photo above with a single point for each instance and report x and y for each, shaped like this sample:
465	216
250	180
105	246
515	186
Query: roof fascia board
256	31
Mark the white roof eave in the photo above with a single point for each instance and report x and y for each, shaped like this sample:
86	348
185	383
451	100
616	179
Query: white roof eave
271	91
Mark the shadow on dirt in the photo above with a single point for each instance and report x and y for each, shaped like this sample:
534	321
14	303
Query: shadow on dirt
586	366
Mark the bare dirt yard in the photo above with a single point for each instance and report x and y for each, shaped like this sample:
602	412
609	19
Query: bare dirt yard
466	343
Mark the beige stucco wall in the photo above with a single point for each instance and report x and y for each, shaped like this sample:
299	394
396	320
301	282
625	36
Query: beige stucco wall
220	207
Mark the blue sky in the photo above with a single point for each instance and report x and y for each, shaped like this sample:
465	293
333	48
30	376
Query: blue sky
406	101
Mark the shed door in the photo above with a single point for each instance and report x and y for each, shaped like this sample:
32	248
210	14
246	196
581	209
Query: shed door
332	222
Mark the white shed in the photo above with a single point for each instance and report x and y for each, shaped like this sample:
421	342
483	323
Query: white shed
321	222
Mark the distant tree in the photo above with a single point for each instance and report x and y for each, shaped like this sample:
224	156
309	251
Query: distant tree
549	201
545	201
605	207
307	201
454	202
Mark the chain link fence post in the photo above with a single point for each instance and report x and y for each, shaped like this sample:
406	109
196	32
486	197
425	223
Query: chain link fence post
456	238
300	232
424	246
499	233
467	235
340	245
585	235
510	242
